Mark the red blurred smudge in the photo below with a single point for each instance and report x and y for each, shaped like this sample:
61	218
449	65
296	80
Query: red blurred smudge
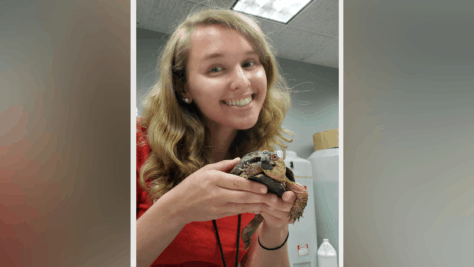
14	121
27	197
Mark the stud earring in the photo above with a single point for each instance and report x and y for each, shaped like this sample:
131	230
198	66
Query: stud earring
186	100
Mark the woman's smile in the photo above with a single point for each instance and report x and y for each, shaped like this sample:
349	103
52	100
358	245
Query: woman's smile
242	102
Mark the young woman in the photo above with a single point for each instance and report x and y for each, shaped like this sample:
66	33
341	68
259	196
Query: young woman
219	96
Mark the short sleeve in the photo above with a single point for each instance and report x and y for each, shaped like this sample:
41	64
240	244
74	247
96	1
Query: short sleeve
143	149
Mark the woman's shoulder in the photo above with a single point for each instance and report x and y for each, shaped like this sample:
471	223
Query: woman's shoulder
141	133
143	147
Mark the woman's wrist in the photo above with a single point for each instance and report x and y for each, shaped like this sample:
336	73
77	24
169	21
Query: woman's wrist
171	209
272	237
275	248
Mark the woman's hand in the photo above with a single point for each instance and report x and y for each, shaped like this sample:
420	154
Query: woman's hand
272	233
277	211
211	193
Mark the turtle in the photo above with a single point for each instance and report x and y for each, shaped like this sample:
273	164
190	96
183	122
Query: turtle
269	169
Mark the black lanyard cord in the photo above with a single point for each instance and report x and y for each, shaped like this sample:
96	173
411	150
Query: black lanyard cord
238	242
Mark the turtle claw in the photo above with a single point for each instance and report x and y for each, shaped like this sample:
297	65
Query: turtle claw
297	209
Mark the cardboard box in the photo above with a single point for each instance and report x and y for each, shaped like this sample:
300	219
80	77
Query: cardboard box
326	139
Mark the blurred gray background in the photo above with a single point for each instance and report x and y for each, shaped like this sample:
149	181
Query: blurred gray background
65	133
306	49
408	133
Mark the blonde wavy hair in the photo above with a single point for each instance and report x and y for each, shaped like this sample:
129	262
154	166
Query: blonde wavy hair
175	130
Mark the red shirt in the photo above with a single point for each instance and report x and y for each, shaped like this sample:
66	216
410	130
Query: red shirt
196	244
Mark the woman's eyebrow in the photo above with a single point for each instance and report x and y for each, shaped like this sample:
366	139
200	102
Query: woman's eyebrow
217	55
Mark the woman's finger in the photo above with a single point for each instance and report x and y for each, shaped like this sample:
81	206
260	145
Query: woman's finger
278	204
235	182
224	165
239	208
276	213
289	196
256	208
275	221
271	200
244	197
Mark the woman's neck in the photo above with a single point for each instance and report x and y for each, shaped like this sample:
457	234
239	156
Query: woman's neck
220	139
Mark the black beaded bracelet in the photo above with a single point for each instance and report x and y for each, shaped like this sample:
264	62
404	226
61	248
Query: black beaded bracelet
276	247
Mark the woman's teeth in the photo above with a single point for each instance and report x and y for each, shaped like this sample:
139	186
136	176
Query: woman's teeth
240	103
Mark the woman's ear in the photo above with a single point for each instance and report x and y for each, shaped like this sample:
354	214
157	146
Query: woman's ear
186	96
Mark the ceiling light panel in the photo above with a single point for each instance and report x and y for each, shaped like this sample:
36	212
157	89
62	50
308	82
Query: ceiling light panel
277	10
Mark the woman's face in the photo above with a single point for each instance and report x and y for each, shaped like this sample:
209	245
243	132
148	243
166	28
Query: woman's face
225	77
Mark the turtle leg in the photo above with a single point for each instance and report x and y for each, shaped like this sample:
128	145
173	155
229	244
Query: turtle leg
301	200
250	229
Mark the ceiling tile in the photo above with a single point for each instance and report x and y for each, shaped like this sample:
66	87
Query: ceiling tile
166	15
269	28
320	16
327	56
307	37
143	12
213	3
298	45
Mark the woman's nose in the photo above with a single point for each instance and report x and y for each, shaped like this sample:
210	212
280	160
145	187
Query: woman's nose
240	79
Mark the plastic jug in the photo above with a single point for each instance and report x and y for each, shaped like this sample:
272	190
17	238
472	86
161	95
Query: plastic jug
325	164
327	256
302	242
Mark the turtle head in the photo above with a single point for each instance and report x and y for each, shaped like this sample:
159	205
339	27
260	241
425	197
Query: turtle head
278	167
266	160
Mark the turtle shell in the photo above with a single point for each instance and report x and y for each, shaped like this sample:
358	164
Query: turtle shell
251	157
264	166
273	186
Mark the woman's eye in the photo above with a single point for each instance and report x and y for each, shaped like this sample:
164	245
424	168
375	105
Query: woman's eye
216	69
249	64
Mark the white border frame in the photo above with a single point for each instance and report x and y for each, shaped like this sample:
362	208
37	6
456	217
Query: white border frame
341	133
133	141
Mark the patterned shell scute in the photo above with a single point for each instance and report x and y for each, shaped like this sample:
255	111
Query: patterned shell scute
250	157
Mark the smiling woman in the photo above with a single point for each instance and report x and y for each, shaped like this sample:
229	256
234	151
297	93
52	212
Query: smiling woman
225	78
219	96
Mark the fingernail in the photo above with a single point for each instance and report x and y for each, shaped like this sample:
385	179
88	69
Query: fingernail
263	190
